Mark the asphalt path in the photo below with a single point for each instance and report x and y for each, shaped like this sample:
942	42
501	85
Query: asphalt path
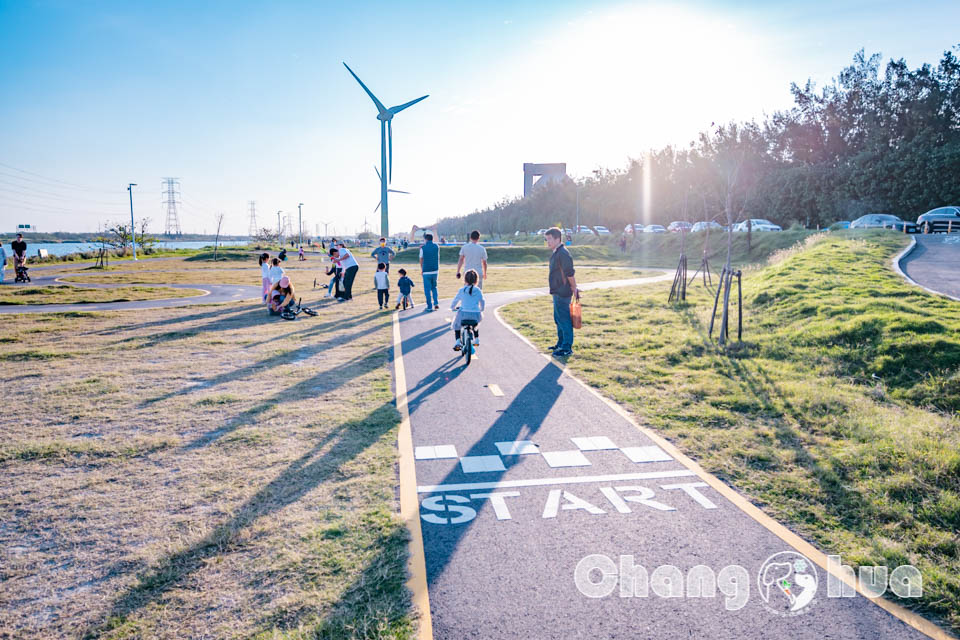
212	294
934	263
522	472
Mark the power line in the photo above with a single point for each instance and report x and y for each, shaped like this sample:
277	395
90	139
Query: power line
72	185
54	196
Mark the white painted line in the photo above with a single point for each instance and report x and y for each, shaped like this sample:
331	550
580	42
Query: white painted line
445	451
517	448
495	389
646	454
479	464
424	453
544	482
594	443
566	459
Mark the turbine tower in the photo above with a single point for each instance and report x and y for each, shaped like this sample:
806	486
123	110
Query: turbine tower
385	116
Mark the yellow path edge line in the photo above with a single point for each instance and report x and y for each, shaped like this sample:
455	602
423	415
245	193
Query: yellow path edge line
914	620
409	504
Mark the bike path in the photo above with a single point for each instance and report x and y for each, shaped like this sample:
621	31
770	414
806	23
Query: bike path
934	263
521	472
212	294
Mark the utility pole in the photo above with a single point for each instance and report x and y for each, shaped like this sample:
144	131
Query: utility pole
279	229
133	229
300	219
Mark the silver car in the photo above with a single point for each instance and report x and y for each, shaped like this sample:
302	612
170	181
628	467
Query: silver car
875	221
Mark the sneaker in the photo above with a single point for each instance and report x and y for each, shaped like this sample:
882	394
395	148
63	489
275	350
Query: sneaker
476	342
554	347
562	353
457	346
397	307
436	307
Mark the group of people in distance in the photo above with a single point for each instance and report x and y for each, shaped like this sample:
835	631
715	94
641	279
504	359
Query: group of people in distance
469	303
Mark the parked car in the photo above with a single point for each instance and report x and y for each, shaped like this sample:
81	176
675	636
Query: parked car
582	229
840	224
757	224
874	221
655	228
636	227
937	220
601	231
679	225
540	232
704	225
911	227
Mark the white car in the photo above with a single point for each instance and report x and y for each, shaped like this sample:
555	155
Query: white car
601	231
636	227
582	229
655	228
757	224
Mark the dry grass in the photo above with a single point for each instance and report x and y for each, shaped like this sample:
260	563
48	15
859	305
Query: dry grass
200	472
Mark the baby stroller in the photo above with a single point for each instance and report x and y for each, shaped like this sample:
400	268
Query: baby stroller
22	275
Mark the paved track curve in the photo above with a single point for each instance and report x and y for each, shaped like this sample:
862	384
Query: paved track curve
521	472
212	294
934	263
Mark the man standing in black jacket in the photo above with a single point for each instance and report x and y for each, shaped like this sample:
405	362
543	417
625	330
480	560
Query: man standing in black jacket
563	286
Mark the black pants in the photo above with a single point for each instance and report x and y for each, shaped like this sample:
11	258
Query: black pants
348	276
383	296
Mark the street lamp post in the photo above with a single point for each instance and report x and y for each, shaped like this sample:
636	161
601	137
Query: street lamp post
133	229
279	229
300	221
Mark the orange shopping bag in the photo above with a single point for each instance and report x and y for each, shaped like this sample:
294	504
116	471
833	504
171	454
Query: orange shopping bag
576	314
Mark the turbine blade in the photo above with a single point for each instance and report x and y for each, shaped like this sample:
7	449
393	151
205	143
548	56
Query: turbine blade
378	173
379	104
390	165
399	108
398	191
378	207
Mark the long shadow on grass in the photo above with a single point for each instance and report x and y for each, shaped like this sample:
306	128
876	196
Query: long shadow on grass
313	329
845	505
260	367
323	382
376	604
348	439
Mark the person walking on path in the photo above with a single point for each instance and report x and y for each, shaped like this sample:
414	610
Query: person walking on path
430	268
563	287
302	258
382	282
473	256
3	262
265	274
19	251
350	268
404	284
383	253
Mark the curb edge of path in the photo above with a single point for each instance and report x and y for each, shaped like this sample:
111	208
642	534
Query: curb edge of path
896	267
914	620
409	504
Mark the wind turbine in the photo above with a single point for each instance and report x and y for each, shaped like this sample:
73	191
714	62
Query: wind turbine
388	190
385	116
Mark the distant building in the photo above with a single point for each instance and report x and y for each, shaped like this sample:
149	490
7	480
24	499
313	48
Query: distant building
548	174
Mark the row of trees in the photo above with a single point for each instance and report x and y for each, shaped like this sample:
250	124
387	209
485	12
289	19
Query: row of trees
117	236
871	141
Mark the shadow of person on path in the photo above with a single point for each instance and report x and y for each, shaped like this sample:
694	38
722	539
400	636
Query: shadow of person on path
521	420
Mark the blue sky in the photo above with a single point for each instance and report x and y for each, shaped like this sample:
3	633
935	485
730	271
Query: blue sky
250	101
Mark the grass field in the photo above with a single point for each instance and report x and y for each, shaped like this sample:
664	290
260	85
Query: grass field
65	294
200	472
838	414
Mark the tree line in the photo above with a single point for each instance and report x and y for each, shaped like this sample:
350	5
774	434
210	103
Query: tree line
872	141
